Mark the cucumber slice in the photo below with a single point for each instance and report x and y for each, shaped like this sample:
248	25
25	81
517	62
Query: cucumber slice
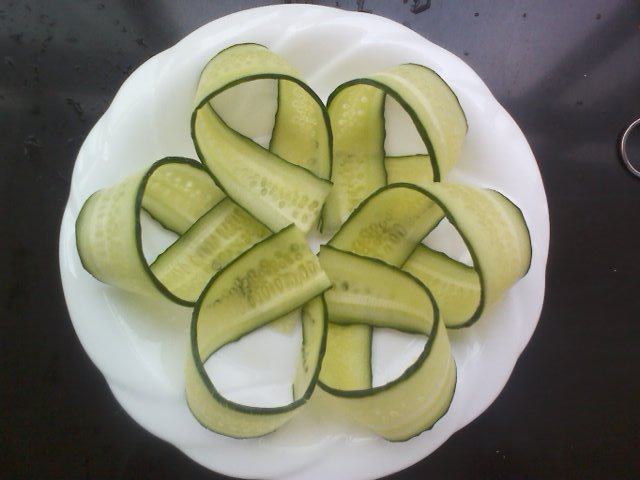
300	133
381	295
497	238
390	224
108	232
272	189
433	107
355	298
357	122
386	226
178	194
343	367
414	169
356	109
213	241
269	280
455	286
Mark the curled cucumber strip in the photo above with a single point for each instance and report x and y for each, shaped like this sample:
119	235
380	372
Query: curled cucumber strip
180	194
497	237
274	277
356	109
414	169
370	292
288	183
390	224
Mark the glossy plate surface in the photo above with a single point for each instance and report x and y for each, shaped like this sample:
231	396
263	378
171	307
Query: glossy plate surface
139	345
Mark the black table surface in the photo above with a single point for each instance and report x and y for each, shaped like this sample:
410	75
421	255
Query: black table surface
568	72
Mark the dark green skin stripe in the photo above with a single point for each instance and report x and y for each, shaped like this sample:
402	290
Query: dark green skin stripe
425	353
200	364
412	113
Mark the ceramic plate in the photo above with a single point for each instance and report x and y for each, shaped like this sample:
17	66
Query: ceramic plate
139	345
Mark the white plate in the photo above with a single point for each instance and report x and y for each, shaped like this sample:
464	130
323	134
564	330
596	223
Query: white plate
139	346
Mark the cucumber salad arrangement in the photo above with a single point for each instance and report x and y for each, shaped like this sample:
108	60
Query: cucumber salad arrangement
242	261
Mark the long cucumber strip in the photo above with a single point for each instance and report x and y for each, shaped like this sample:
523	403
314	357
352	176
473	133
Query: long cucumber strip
269	280
416	169
433	107
274	190
497	238
178	194
355	298
213	241
356	109
108	233
300	133
363	288
455	286
343	366
492	227
357	122
389	225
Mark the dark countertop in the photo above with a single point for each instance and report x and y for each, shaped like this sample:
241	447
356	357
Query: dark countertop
568	72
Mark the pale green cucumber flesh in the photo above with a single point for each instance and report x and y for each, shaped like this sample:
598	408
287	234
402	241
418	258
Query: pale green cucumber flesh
416	169
342	367
275	191
455	286
266	282
414	401
178	194
214	240
389	224
300	134
357	122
